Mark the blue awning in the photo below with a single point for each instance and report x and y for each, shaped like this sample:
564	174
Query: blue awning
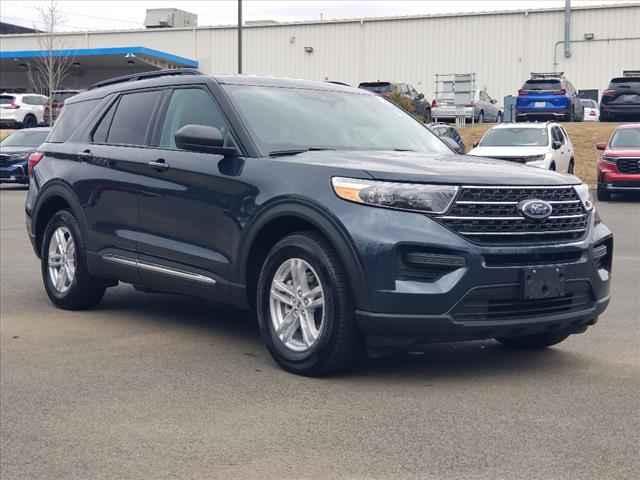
102	52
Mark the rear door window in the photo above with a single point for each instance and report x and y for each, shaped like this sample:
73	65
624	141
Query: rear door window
72	116
101	131
132	118
557	135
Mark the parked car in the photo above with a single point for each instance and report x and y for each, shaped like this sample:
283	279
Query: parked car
544	145
483	108
14	152
333	213
58	98
591	110
548	96
450	134
21	110
621	100
619	165
387	89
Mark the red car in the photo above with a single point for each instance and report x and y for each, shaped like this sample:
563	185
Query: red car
619	165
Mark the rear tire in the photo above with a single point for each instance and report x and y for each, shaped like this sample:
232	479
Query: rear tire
336	342
533	342
72	288
30	122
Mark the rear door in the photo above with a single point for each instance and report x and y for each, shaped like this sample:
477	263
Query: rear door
560	155
185	205
118	153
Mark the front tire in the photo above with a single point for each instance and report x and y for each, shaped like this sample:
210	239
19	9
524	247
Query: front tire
305	307
604	195
533	342
64	268
30	122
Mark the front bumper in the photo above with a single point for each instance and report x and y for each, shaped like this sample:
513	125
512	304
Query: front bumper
480	299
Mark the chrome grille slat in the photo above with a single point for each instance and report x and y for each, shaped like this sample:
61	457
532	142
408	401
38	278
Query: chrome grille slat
490	215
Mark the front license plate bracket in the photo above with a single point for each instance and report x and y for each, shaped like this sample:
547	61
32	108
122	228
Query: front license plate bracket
543	282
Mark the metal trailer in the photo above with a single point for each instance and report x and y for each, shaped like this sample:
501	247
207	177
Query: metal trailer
457	89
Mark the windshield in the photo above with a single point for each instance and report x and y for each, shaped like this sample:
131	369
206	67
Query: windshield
295	118
626	137
25	138
515	137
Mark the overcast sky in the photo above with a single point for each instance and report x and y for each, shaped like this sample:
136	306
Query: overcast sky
127	14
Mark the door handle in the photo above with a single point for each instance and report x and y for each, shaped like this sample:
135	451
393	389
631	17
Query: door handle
85	155
159	164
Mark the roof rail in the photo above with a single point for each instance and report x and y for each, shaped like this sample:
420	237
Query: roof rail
547	74
631	73
144	75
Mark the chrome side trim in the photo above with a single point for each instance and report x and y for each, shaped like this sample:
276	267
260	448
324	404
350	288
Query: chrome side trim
152	267
517	187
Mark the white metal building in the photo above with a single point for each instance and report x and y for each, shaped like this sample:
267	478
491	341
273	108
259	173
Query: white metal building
502	48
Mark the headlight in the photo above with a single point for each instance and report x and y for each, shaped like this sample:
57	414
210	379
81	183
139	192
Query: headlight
608	159
404	196
585	196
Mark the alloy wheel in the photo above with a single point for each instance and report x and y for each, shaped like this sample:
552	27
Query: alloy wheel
297	305
62	259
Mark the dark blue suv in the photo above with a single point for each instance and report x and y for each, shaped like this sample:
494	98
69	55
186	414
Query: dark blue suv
328	210
548	96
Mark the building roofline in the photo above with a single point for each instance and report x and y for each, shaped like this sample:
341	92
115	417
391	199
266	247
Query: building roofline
521	11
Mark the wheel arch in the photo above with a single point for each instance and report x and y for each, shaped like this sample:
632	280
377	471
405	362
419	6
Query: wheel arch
53	198
284	219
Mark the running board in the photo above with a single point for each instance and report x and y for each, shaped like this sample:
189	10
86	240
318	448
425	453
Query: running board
152	267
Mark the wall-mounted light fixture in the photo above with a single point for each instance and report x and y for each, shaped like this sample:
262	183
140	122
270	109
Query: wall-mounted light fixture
308	49
589	36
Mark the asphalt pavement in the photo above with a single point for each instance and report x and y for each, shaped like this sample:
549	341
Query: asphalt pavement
154	387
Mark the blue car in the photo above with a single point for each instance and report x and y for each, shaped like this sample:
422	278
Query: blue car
15	151
548	96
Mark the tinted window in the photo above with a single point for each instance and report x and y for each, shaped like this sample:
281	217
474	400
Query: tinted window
632	83
557	134
71	117
542	85
132	117
6	99
512	137
377	87
190	106
25	138
292	118
626	137
102	130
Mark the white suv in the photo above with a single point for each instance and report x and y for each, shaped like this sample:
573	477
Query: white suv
19	110
543	145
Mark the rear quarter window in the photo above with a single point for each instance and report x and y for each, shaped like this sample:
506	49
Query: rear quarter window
72	116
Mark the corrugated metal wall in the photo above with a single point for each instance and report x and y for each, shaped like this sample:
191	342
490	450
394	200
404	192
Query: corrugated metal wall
501	48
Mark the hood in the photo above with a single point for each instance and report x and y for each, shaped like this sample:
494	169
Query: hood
508	151
437	168
629	152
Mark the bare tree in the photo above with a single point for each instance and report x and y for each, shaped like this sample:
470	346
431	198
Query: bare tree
47	71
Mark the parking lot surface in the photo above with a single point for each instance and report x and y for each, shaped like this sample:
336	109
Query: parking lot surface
156	386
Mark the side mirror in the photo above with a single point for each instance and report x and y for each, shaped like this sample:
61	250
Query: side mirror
452	144
475	144
420	96
494	101
601	146
202	138
556	144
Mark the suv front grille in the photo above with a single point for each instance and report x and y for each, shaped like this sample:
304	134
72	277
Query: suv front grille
489	215
629	165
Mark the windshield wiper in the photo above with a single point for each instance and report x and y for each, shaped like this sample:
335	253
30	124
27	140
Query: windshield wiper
297	151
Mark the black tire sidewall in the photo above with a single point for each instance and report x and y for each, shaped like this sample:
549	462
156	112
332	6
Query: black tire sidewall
83	288
299	246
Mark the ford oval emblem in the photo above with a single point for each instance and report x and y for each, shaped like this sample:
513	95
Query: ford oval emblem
535	209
